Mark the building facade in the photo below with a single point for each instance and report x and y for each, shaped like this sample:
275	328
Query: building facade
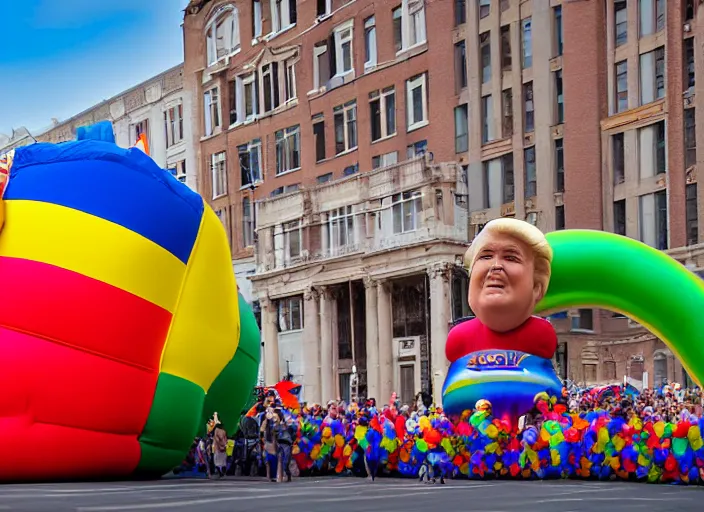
567	114
297	94
157	108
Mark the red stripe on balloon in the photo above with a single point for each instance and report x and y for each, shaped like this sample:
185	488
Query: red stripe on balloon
67	412
81	312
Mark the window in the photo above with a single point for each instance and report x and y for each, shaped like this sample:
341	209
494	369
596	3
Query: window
653	220
256	18
250	156
323	8
324	178
370	43
485	51
560	107
321	65
247	223
692	220
589	370
416	149
406	209
223	215
218	171
620	217
621	19
560	217
416	22
139	129
621	86
529	107
689	9
690	138
619	158
270	85
385	160
651	142
507	119
484	8
290	80
398	32
527	40
689	76
222	34
248	97
416	102
345	118
652	16
409	24
460	12
382	107
557	13
559	166
652	75
531	179
584	321
288	149
212	111
178	170
460	66
350	170
498	181
343	48
461	129
487	119
319	135
234	99
283	14
340	230
292	239
173	123
506	47
291	313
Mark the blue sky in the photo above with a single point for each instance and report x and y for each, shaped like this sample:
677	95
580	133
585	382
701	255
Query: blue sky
60	57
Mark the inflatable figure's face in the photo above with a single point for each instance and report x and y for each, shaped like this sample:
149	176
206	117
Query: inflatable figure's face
502	288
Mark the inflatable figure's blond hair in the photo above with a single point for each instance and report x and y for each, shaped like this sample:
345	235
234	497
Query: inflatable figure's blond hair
526	233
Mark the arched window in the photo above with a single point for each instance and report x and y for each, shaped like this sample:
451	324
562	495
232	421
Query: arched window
222	34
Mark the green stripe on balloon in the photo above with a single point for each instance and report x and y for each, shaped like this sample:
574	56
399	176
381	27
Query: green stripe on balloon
172	424
231	391
604	270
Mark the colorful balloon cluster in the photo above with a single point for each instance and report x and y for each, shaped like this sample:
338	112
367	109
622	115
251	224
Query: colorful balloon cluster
476	445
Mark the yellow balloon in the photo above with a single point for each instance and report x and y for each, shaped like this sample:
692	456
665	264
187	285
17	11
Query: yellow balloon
659	428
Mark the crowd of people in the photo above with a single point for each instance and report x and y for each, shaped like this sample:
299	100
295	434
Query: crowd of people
612	432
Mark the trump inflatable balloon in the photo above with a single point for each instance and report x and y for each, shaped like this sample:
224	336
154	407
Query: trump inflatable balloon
120	315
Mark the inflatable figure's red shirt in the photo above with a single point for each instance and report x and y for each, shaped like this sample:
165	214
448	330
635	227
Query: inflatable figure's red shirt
536	336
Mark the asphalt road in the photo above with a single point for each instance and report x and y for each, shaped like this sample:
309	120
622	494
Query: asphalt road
349	495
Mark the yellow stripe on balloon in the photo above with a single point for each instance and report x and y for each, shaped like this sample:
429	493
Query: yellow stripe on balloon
91	246
205	330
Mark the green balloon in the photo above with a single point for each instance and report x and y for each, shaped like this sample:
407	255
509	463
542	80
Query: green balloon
605	270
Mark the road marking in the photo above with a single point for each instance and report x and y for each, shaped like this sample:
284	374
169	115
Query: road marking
615	498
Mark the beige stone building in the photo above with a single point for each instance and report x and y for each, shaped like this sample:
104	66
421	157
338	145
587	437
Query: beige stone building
363	273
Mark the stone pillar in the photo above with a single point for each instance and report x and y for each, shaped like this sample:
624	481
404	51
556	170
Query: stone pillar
372	335
311	347
270	333
440	318
326	370
386	371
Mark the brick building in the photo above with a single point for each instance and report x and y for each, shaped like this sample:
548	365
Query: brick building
575	114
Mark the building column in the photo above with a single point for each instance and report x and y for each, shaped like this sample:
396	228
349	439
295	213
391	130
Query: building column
326	369
440	318
311	347
270	333
386	371
372	335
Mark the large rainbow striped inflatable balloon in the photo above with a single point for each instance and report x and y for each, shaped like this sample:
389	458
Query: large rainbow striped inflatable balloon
121	328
